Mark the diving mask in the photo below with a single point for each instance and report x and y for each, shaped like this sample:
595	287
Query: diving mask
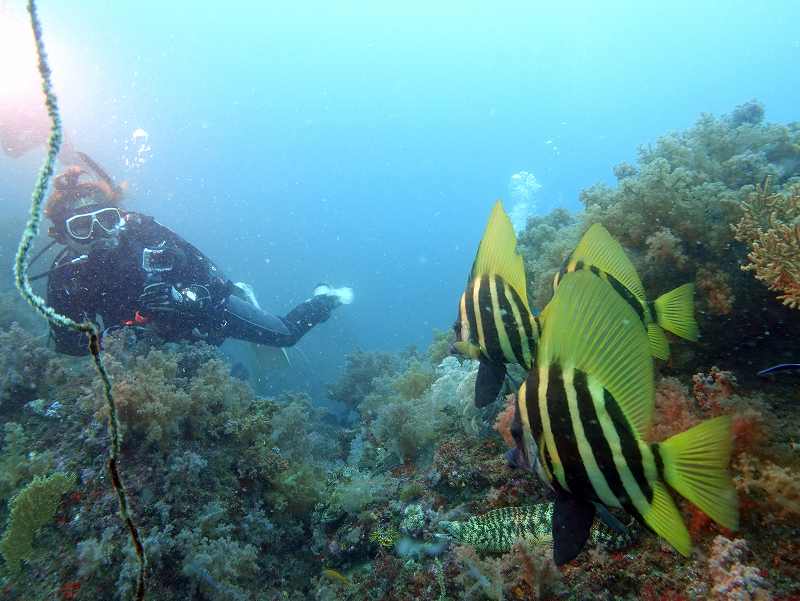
81	226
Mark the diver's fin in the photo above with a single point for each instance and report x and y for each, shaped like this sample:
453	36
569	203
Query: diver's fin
696	465
589	326
489	382
657	341
497	254
572	521
775	368
675	312
248	313
597	247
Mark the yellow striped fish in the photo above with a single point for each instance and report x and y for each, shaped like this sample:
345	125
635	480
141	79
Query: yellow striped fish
674	311
495	324
584	411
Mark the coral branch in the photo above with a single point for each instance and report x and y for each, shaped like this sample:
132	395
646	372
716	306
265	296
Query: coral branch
771	227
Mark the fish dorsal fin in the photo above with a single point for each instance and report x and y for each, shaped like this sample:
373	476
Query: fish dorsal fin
597	247
497	253
590	327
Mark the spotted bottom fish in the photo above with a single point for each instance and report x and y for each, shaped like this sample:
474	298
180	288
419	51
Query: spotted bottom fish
498	530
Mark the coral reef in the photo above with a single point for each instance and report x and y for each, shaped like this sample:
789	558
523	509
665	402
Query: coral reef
360	370
731	578
771	227
251	498
33	507
777	487
17	461
526	572
24	363
674	211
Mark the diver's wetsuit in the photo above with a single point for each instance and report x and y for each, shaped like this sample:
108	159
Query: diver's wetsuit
109	281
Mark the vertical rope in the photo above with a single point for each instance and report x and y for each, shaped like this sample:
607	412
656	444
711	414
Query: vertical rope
23	284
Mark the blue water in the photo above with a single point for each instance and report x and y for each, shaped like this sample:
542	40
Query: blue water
363	145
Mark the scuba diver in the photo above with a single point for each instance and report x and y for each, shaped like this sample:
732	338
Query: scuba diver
120	268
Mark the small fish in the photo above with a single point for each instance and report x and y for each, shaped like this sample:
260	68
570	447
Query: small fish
54	409
602	255
495	324
584	411
336	576
782	367
498	530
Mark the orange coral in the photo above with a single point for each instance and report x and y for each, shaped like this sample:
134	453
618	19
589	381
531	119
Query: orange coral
698	521
665	247
747	429
711	389
715	288
770	226
504	419
69	590
778	487
674	410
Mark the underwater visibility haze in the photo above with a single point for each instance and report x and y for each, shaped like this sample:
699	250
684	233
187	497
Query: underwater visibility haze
401	302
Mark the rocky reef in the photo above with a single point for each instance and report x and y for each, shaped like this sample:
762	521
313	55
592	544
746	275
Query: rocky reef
246	498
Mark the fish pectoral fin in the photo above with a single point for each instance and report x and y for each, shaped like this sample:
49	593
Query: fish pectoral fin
609	520
572	521
467	349
489	382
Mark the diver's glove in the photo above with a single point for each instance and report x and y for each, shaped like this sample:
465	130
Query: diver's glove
326	299
336	296
163	298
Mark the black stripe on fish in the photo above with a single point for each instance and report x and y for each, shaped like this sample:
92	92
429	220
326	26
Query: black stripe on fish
532	404
620	288
510	324
530	336
601	450
630	446
628	297
469	304
491	336
575	476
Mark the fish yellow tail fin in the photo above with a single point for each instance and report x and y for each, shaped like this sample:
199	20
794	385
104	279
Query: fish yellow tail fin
696	465
675	312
